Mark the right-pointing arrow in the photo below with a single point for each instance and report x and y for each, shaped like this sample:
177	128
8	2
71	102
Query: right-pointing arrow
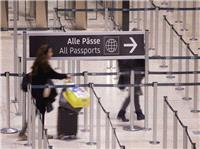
133	45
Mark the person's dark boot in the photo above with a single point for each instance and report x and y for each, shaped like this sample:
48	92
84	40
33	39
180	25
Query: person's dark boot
140	115
121	116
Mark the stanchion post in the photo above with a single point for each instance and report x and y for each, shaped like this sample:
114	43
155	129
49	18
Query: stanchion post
85	74
63	66
178	13
45	139
194	38
163	65
145	16
165	117
33	124
187	77
8	129
151	30
91	133
107	131
195	101
180	53
185	140
184	17
146	80
19	80
155	96
175	130
40	130
170	76
98	125
156	32
138	15
113	138
78	70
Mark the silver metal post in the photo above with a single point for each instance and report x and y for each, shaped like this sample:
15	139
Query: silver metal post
45	139
98	125
146	80
131	126
178	19
165	117
185	140
195	101
85	109
73	69
156	32
180	53
155	96
175	131
33	124
69	66
184	17
91	133
8	129
107	131
113	139
106	19
29	117
187	77
78	70
194	22
40	130
138	15
19	80
151	30
170	76
164	50
145	16
63	66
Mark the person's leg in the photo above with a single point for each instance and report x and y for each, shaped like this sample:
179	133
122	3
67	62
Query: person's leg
122	112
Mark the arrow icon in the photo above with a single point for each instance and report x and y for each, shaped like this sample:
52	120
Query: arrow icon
133	45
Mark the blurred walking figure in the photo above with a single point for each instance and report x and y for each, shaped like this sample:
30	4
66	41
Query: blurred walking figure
127	66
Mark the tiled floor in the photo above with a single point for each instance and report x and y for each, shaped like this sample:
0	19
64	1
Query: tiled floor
112	97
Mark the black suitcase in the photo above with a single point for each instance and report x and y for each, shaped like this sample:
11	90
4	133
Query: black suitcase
67	124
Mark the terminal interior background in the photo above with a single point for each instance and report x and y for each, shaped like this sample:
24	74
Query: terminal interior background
111	98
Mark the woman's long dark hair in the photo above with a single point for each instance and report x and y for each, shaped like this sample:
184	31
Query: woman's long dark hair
41	60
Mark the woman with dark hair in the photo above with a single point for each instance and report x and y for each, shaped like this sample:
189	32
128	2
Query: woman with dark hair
41	74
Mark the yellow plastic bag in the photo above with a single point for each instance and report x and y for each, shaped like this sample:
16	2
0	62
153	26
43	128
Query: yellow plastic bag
77	97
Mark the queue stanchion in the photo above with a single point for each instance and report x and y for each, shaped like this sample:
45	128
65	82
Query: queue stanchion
155	96
33	124
63	66
165	117
78	70
175	130
194	22
73	69
187	77
180	53
107	131
69	65
185	140
170	76
91	125
19	80
151	29
145	16
8	129
45	139
40	130
156	32
164	65
85	74
195	101
146	80
98	125
178	19
131	126
113	138
184	17
138	16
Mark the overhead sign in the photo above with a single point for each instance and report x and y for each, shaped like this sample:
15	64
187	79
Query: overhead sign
86	45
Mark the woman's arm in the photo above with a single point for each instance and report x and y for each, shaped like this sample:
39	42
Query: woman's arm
54	75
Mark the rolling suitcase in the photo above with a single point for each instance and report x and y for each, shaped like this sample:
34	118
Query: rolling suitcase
67	123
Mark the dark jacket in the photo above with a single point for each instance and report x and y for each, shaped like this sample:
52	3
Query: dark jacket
127	66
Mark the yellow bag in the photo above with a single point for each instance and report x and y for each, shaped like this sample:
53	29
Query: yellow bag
77	97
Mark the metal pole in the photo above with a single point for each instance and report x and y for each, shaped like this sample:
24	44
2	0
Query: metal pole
98	125
85	74
40	130
165	116
8	129
178	19
45	139
180	53
187	77
145	16
195	101
170	76
78	70
184	17
138	15
113	139
155	96
69	66
146	80
106	19
107	132
63	66
33	124
164	42
185	140
91	133
175	131
156	32
194	22
151	30
19	80
73	68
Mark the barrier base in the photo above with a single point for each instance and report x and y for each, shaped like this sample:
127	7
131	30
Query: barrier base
163	66
179	88
195	111
134	128
154	142
9	130
91	143
187	98
193	39
170	76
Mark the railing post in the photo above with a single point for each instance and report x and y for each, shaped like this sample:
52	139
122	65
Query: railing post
98	127
33	124
151	29
40	130
165	117
45	139
155	96
113	139
138	16
19	80
107	131
156	32
184	17
185	139
175	130
178	19
194	38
